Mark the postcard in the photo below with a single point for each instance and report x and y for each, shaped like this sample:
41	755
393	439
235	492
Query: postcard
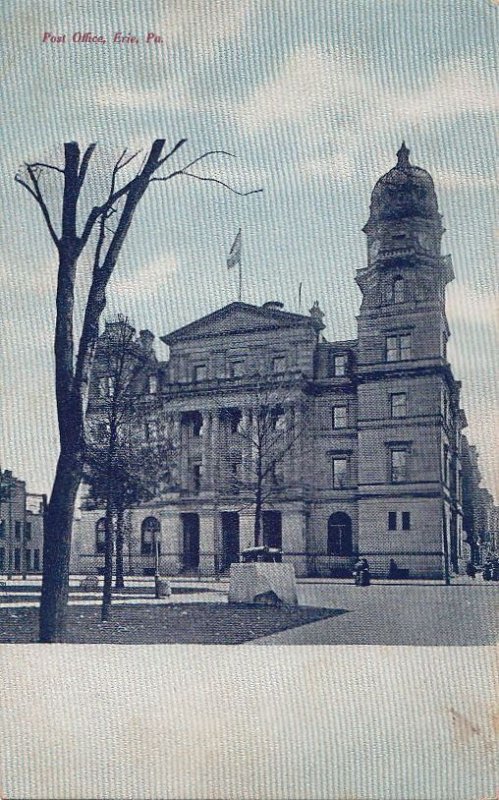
249	474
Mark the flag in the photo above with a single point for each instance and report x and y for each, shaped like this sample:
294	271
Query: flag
235	252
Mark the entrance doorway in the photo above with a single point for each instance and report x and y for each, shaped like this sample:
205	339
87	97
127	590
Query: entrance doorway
230	539
190	525
339	535
272	528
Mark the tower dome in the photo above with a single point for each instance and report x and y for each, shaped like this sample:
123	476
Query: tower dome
406	191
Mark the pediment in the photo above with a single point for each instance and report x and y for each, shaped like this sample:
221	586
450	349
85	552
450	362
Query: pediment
237	318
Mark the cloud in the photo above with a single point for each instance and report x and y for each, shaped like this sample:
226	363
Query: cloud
147	279
338	168
451	179
467	305
313	83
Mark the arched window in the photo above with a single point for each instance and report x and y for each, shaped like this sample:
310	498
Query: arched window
100	535
398	289
149	533
339	535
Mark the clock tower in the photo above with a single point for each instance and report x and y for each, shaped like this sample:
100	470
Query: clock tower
407	431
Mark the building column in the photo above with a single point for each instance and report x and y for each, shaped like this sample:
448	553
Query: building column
294	527
298	446
207	541
246	529
245	446
206	453
175	428
171	542
215	450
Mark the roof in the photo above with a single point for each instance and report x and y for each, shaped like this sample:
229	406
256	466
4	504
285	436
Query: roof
238	317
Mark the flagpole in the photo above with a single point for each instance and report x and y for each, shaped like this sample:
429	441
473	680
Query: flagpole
240	281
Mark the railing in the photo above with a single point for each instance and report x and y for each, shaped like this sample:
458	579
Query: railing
313	564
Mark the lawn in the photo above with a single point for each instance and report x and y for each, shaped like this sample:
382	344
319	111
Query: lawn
169	623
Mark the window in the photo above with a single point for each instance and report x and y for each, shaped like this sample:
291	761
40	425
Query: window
235	417
17	529
2	530
27	530
406	521
234	474
17	559
106	386
2	559
36	560
149	534
151	431
28	560
236	369
398	290
197	423
340	465
446	463
398	465
100	536
339	417
197	472
279	364
392	520
398	405
339	365
200	373
398	347
153	384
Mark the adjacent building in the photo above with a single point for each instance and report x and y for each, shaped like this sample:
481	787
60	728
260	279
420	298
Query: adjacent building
361	450
21	527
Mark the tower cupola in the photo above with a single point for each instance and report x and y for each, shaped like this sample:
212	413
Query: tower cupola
405	192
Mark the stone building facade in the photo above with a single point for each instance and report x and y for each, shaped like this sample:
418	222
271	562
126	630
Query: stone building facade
367	432
21	527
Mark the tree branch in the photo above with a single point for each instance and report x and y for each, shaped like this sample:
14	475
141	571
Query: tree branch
41	164
36	193
85	162
208	180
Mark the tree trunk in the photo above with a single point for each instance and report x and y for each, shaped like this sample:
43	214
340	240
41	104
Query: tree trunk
107	591
120	539
58	525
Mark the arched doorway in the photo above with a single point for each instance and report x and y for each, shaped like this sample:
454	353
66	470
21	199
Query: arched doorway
190	527
339	535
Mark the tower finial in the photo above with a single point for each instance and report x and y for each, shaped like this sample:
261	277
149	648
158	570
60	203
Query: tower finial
403	156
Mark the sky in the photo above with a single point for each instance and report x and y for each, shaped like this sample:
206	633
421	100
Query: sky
313	98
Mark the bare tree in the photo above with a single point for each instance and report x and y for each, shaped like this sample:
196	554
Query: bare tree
266	437
100	233
120	360
122	467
